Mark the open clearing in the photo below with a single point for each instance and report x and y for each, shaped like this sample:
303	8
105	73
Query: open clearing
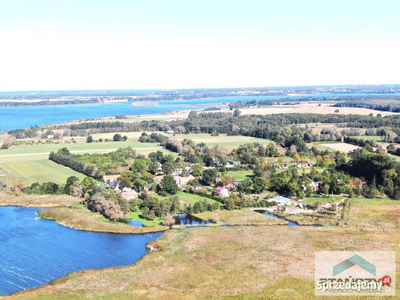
239	175
311	107
222	140
343	147
192	198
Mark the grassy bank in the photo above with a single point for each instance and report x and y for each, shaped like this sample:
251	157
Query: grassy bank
83	219
147	223
309	219
242	217
7	199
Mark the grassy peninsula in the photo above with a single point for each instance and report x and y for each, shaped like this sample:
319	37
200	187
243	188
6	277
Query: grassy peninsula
83	219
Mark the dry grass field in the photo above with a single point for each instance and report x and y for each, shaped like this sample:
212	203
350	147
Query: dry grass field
8	199
343	147
222	140
242	217
311	107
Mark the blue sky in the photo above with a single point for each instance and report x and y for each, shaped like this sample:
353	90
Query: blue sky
188	44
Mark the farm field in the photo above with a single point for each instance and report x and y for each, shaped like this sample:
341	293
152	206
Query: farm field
343	147
79	147
42	170
310	107
30	162
222	140
323	148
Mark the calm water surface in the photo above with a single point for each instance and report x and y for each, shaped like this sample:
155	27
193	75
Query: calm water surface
34	251
22	117
189	220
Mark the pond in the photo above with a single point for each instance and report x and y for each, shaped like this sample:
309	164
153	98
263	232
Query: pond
135	223
34	251
189	220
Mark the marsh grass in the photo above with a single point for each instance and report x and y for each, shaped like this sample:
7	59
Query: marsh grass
220	263
8	199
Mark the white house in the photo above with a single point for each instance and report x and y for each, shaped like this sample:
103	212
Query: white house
222	192
281	201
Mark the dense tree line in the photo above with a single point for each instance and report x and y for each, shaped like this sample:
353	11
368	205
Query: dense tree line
392	149
45	188
393	105
378	169
49	102
30	132
106	163
343	101
362	143
267	126
106	205
75	165
152	138
153	207
351	132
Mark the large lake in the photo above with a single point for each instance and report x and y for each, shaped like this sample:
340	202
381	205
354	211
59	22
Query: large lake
34	251
26	116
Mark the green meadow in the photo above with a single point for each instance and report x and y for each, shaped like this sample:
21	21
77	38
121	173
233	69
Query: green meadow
192	199
369	138
30	162
39	170
239	175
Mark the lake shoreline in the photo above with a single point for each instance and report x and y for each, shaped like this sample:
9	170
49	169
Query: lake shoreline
36	201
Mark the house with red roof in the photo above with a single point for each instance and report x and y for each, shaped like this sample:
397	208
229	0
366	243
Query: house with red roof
222	191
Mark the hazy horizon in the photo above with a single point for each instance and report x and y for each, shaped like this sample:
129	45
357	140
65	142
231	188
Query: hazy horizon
95	45
201	88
